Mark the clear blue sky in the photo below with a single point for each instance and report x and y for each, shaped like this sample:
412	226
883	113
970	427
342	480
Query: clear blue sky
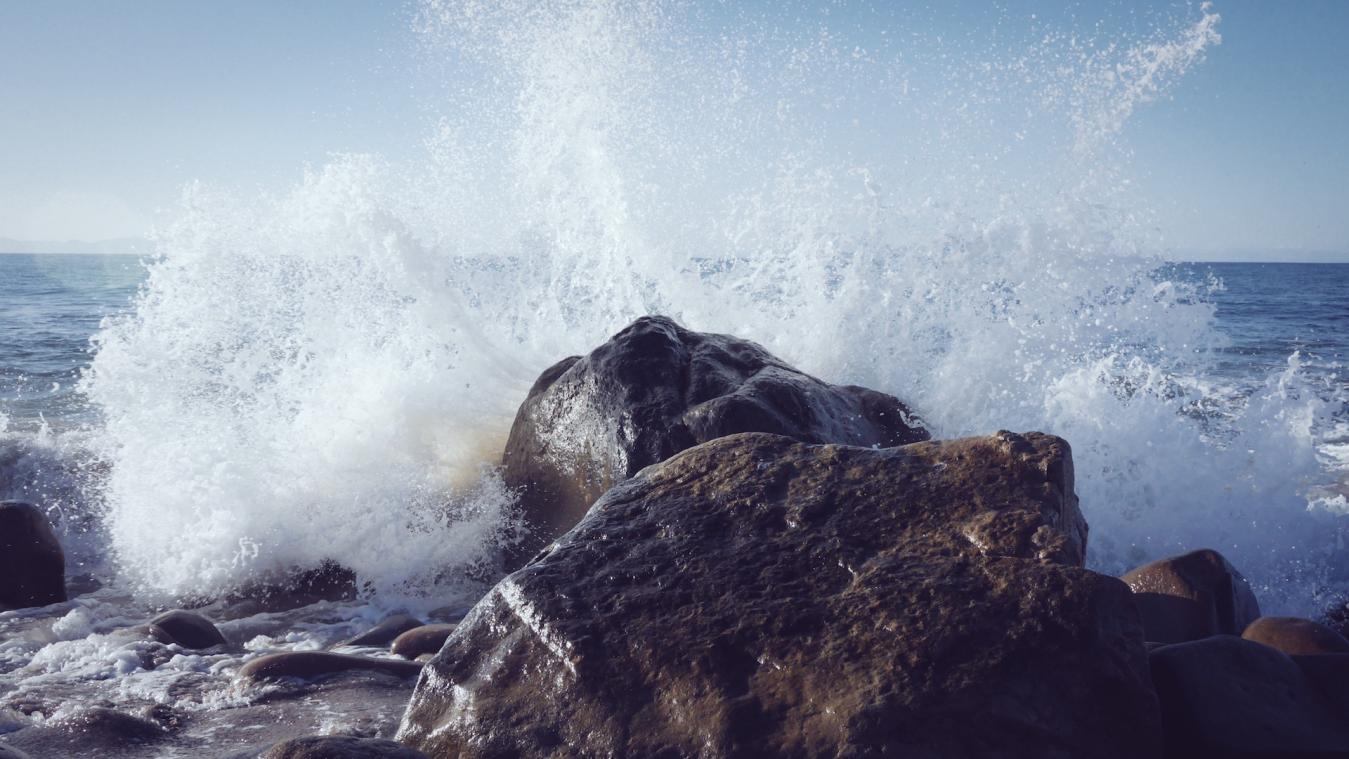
110	107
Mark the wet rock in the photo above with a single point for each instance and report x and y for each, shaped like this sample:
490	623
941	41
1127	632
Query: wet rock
32	564
111	726
656	389
1191	597
385	632
341	747
299	587
1227	697
1296	636
306	665
10	752
185	628
755	596
426	639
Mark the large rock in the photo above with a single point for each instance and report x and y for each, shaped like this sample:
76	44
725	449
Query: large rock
340	747
1296	636
185	628
656	389
307	665
1227	697
755	596
1192	596
32	564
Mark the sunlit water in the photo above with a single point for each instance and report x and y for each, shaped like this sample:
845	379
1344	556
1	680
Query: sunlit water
328	374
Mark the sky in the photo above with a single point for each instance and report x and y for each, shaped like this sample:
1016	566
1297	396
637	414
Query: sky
111	107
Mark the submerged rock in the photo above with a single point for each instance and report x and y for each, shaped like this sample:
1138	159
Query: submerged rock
385	632
340	747
1192	596
185	628
32	564
656	389
1296	636
10	752
426	639
306	665
755	596
1227	697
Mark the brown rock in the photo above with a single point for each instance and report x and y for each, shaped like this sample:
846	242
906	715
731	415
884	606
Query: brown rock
185	628
32	564
426	639
340	747
306	665
1191	597
656	389
755	596
1296	636
385	632
1227	697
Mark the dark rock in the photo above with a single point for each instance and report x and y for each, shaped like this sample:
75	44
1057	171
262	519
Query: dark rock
109	725
755	596
1227	697
1191	597
385	632
32	564
1296	636
185	628
290	590
306	665
10	752
656	389
340	747
426	639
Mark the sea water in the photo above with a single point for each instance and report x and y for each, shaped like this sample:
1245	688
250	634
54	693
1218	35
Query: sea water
328	373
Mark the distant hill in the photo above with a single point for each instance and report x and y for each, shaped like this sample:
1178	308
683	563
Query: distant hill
126	246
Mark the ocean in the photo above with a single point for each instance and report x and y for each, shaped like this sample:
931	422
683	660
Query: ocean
327	374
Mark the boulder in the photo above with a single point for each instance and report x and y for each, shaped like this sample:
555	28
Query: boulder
426	639
1223	696
185	628
1192	596
1296	636
385	632
307	665
32	564
340	747
654	390
757	596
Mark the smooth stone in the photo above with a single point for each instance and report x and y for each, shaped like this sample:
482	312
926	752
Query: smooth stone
755	596
1223	696
112	725
1292	635
32	564
307	665
1193	596
426	639
187	629
340	747
385	632
655	389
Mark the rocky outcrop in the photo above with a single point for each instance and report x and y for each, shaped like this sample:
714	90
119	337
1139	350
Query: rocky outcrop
1296	636
32	564
340	747
185	628
307	665
1227	697
426	639
656	389
756	596
1191	597
385	632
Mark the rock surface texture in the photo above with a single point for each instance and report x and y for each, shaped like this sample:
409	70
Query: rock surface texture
340	747
185	628
1193	596
656	389
756	596
32	564
1296	636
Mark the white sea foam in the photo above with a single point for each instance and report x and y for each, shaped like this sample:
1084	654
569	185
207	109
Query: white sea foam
322	375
